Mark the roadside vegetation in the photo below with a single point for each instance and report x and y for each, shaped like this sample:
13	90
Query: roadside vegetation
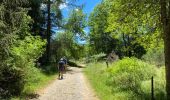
35	83
129	78
133	32
30	49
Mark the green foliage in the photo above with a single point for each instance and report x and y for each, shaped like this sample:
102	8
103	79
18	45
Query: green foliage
26	52
12	81
111	29
19	50
100	41
36	80
76	22
159	85
134	76
97	76
65	45
127	79
155	56
50	69
139	20
13	27
23	56
95	58
9	26
128	73
36	14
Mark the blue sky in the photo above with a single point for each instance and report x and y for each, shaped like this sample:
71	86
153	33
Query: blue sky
89	5
88	8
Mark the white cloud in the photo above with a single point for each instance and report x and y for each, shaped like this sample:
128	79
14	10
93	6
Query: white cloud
77	9
63	5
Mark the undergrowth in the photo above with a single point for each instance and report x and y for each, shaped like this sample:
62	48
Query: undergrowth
127	79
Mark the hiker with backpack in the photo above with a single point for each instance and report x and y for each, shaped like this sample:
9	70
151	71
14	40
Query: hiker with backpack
61	68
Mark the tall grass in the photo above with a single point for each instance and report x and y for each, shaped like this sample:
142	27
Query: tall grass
127	79
98	77
36	80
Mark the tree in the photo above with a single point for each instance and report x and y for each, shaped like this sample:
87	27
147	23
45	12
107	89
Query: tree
58	16
76	22
165	19
100	40
11	21
139	20
108	33
65	45
48	34
13	28
150	17
66	42
36	14
53	5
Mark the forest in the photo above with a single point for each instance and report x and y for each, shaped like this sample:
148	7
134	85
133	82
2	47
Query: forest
124	44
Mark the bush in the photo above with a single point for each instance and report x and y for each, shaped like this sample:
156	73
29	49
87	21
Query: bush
34	80
128	73
16	72
11	82
126	79
133	76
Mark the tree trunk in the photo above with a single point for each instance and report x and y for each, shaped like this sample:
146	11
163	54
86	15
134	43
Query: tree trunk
125	44
48	32
129	46
167	61
166	29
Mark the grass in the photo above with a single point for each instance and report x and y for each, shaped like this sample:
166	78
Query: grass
100	79
97	76
36	81
36	85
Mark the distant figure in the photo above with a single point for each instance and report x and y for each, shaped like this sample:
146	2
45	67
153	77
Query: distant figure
61	68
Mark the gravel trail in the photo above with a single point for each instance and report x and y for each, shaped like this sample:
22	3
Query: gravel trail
74	86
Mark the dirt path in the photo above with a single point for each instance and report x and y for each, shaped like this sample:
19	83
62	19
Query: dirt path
74	86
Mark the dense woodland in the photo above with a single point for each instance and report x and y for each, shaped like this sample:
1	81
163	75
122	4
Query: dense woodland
137	32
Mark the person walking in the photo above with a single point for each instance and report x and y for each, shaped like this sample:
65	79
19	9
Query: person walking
61	68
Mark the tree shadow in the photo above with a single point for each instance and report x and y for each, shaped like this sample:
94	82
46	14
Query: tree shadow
32	96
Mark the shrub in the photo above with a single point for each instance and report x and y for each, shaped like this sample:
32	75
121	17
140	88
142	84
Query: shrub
16	72
133	76
128	73
11	81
